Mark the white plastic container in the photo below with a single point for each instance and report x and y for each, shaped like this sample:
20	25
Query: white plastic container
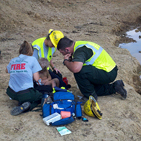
52	118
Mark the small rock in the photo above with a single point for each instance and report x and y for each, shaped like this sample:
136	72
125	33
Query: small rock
37	15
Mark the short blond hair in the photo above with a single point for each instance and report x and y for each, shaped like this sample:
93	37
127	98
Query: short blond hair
44	63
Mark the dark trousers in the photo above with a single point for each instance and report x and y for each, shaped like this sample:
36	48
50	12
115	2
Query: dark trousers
95	82
30	95
59	76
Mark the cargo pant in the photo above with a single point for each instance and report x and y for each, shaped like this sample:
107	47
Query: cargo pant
95	82
30	95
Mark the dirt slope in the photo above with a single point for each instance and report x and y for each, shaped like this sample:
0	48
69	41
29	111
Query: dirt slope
99	21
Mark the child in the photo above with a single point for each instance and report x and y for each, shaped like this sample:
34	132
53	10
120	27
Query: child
23	69
45	78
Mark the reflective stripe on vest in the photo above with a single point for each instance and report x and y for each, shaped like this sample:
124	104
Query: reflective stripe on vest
100	58
95	56
43	51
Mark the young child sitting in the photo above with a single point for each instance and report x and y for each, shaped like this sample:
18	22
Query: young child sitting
45	78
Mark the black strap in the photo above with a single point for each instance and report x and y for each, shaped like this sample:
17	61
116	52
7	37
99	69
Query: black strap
95	114
50	109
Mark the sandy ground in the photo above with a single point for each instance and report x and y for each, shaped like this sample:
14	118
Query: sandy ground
99	21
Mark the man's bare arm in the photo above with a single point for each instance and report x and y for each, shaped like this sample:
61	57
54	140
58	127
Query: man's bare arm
74	67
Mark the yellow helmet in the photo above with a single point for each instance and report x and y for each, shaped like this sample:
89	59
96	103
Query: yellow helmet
92	109
55	36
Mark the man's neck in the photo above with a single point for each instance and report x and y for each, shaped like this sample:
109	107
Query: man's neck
72	47
46	42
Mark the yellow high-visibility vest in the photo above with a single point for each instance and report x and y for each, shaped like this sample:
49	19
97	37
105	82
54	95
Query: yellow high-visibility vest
38	44
100	58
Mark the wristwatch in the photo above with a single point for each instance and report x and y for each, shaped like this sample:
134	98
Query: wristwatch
53	67
65	60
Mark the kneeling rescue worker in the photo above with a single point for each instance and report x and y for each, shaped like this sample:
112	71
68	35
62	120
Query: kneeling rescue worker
93	68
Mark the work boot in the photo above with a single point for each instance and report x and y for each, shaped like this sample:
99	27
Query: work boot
119	88
20	109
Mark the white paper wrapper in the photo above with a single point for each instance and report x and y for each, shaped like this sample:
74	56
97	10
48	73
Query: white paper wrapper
63	130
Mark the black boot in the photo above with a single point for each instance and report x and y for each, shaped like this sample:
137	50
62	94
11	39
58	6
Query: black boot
119	88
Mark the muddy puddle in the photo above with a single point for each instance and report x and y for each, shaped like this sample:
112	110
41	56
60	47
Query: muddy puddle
131	40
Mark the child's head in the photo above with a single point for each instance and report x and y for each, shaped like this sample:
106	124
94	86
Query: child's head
26	49
43	74
43	63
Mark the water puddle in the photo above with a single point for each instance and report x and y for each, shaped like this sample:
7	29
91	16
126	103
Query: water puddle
132	42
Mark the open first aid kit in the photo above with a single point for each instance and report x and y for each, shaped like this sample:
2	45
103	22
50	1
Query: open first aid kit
63	110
